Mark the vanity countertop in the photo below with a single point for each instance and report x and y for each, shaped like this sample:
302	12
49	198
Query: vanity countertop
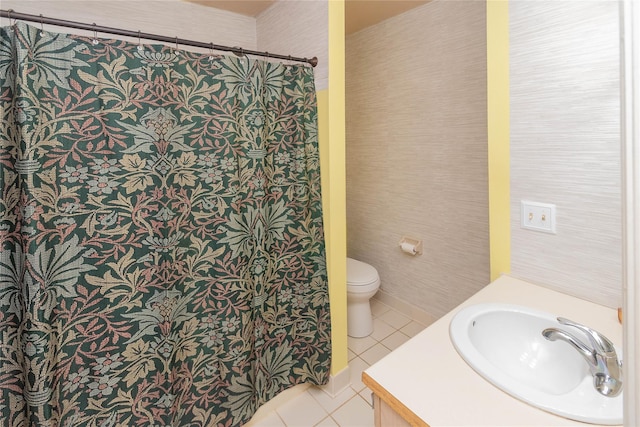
428	383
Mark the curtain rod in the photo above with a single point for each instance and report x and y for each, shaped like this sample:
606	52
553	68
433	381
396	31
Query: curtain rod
11	14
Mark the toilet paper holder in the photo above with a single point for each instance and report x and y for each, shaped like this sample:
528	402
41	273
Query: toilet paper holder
410	246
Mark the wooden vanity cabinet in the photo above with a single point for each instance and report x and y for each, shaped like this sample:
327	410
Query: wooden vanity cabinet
389	411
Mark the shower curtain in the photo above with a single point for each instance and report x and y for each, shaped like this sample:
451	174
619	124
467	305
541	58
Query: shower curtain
162	258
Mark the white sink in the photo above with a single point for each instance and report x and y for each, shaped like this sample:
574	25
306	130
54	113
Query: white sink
504	344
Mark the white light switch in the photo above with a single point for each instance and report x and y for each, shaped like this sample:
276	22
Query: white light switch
538	216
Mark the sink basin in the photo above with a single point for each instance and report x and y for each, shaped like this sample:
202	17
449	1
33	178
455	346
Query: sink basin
504	344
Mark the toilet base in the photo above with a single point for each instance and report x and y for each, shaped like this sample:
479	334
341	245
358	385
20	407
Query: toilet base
359	319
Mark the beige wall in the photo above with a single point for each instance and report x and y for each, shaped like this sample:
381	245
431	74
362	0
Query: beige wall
565	144
166	17
417	152
297	28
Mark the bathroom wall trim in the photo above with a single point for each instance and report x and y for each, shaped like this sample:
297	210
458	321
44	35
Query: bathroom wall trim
402	306
334	193
498	136
631	209
338	382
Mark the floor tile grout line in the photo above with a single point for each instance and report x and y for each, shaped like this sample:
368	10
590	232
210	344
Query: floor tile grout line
357	355
279	417
330	414
356	393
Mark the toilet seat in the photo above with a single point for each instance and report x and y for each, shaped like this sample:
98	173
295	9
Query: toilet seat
361	277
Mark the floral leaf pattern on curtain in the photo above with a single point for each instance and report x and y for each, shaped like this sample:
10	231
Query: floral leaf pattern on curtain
161	243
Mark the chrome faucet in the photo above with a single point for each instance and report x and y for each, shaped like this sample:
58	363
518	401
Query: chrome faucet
602	358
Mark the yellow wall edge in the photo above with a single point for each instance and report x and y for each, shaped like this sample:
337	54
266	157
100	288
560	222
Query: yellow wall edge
331	109
498	136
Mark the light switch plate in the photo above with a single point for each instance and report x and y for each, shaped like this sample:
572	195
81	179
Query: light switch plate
538	216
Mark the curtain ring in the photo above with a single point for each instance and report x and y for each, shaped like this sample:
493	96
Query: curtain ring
140	47
210	51
177	47
9	12
41	25
95	35
242	54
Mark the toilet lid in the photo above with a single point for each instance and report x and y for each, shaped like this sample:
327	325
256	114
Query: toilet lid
360	273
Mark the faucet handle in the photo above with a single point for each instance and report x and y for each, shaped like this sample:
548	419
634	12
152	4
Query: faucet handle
601	344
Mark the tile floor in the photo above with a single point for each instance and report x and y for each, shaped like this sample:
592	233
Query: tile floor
352	407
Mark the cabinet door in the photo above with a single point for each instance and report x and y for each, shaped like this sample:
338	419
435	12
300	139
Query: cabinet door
385	416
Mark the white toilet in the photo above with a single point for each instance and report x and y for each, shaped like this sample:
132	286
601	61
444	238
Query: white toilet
362	283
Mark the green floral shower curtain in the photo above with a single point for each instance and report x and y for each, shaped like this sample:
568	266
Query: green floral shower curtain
161	244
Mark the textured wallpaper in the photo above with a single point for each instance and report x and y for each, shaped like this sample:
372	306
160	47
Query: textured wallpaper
565	144
297	28
165	17
417	152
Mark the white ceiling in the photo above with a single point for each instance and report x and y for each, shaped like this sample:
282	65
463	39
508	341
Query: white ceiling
359	14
